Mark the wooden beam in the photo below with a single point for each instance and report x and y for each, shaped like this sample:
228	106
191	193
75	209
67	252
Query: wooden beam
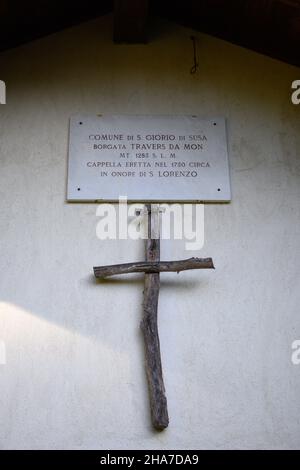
130	21
153	267
158	400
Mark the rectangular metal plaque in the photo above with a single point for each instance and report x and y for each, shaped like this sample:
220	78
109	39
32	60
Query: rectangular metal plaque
148	158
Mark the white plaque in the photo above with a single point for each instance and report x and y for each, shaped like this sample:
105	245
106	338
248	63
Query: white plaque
148	158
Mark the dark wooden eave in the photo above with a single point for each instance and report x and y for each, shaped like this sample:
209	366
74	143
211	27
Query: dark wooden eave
24	21
271	27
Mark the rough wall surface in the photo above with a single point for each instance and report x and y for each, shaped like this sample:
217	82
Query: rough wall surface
74	375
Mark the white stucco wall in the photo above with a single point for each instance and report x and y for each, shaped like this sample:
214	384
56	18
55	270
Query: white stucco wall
74	375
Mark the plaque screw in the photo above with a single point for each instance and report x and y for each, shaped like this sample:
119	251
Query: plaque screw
78	189
80	123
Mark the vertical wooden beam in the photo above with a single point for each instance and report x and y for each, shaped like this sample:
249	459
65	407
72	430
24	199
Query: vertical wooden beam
130	21
158	400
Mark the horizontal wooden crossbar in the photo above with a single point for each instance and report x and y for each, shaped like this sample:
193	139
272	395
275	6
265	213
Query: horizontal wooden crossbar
153	267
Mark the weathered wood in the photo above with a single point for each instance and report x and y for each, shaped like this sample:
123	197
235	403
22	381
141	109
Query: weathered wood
130	21
153	267
158	400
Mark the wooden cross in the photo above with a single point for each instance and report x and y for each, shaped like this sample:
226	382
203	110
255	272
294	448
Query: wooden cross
152	267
